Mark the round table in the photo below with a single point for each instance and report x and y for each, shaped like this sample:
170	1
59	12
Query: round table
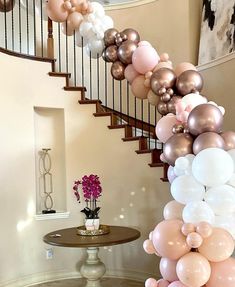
92	269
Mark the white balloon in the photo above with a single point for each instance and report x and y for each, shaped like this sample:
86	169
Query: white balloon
193	100
98	9
190	157
185	189
178	171
221	199
232	180
182	163
226	222
85	30
212	167
198	211
78	39
107	23
95	48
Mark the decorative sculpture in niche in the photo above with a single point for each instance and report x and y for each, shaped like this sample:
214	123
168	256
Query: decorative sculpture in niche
46	186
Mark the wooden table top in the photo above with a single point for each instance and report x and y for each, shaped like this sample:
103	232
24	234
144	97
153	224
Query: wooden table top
69	237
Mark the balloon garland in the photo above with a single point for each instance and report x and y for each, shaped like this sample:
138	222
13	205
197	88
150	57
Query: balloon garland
196	238
6	5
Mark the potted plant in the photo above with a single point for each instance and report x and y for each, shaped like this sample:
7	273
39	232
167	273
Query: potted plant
91	189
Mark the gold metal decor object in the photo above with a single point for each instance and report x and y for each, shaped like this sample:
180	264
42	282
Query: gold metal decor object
103	229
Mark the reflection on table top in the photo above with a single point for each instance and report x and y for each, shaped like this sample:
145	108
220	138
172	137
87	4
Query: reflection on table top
68	237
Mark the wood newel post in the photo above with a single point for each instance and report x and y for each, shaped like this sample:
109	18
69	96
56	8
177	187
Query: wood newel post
50	40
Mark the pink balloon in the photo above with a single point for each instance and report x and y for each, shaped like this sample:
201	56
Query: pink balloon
144	43
74	20
148	247
162	157
217	247
168	239
130	73
168	269
162	65
56	11
138	88
164	127
177	284
151	282
193	270
187	228
204	229
173	210
144	59
162	283
171	174
222	274
194	240
182	67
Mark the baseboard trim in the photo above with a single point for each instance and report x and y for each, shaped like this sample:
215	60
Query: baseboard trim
38	278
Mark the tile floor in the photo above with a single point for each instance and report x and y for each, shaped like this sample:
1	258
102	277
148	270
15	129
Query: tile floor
106	282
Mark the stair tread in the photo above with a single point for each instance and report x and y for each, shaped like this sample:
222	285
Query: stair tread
126	139
156	164
102	114
59	74
164	179
143	151
112	127
88	102
73	88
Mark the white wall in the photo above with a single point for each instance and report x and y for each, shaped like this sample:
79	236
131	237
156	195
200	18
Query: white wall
131	187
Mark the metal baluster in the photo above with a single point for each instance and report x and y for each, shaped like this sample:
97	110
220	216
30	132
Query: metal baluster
128	100
82	62
106	84
41	22
90	65
98	76
135	113
59	47
142	117
120	100
155	123
20	26
34	28
66	50
113	91
74	58
12	31
5	23
27	25
149	124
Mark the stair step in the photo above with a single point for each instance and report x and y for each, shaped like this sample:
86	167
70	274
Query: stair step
128	139
59	74
102	114
156	164
89	102
164	179
112	127
72	88
143	151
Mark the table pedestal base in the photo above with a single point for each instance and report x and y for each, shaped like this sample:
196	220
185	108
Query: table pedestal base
93	269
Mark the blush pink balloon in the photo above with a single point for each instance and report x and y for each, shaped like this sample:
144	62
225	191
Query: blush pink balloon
56	11
151	282
144	43
162	157
164	127
173	210
177	284
204	229
222	274
217	247
162	283
162	65
182	67
194	240
138	88
171	174
168	239
130	73
188	228
148	247
193	270
144	59
168	269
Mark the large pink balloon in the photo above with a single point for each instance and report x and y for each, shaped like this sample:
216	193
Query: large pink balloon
168	269
56	11
193	270
182	67
164	127
144	59
168	239
138	88
217	247
173	210
148	247
177	284
130	73
222	274
229	139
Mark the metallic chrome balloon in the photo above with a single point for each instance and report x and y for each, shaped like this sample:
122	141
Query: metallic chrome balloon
109	37
207	140
131	35
125	51
205	118
162	108
117	70
110	54
178	145
118	39
171	104
165	97
6	5
163	78
189	82
229	139
178	128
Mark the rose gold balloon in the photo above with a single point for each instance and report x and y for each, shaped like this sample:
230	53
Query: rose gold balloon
110	54
204	229
205	118
187	228
109	37
56	11
171	104
164	57
168	239
74	20
66	29
193	269
178	128
194	240
178	145
6	5
222	274
229	139
162	108
117	70
168	269
165	98
138	88
173	210
162	78
125	51
182	67
207	140
217	247
131	35
189	82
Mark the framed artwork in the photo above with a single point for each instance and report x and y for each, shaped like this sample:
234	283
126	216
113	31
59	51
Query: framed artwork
217	30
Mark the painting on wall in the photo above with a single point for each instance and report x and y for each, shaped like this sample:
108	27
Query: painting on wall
217	30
